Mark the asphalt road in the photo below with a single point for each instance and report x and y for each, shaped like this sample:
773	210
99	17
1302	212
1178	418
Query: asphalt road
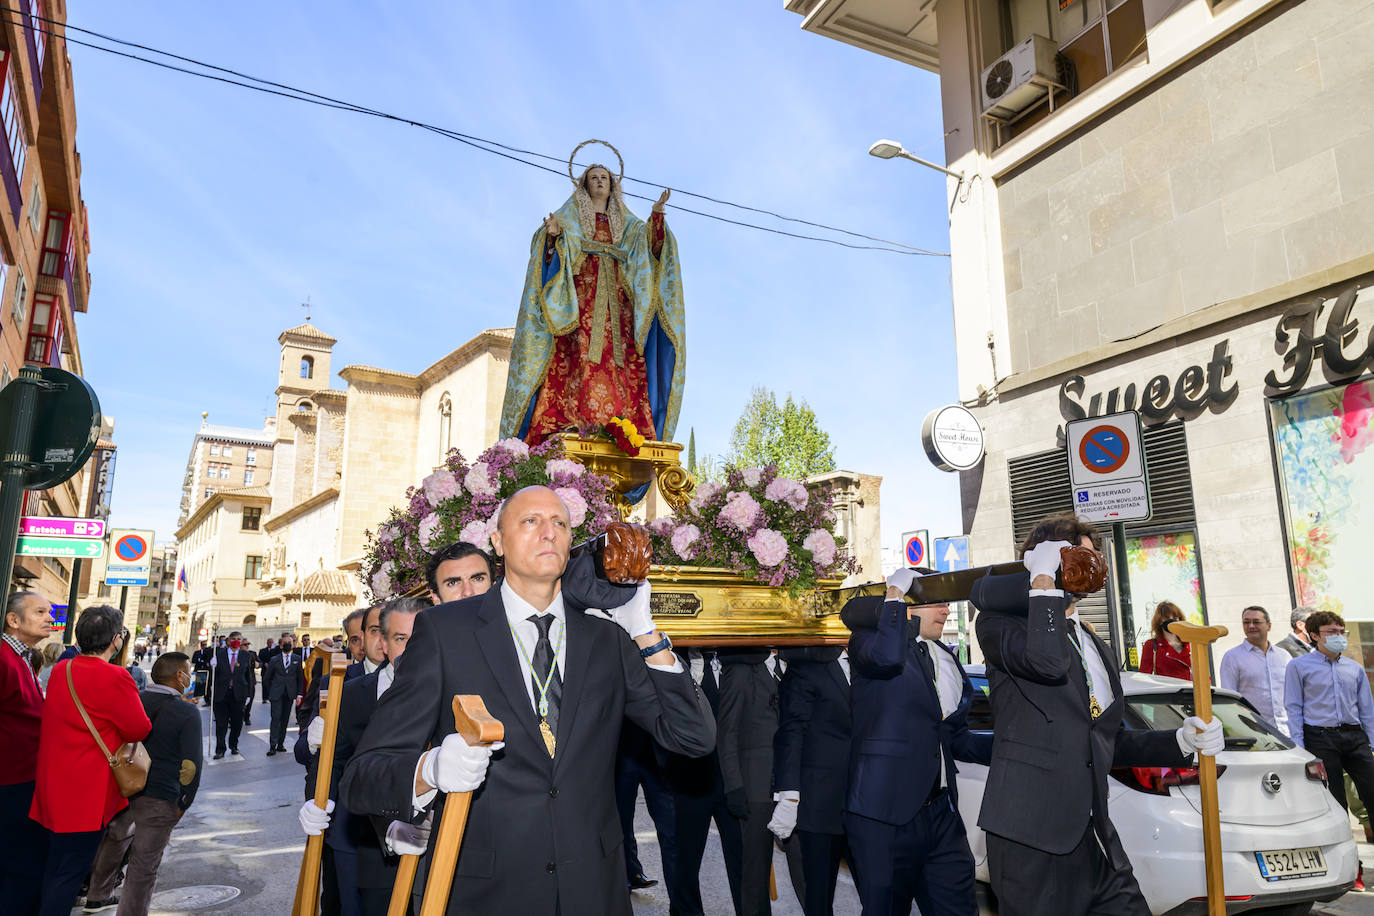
241	838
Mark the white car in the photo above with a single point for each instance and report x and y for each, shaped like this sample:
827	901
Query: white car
1285	842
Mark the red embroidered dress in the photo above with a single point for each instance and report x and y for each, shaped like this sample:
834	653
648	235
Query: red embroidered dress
578	391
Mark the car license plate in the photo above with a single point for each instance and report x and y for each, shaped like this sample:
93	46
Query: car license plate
1281	864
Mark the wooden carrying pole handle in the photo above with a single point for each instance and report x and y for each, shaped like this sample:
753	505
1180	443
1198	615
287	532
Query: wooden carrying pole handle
475	724
1200	638
405	882
307	901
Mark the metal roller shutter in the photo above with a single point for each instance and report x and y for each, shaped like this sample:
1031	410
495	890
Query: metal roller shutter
1040	487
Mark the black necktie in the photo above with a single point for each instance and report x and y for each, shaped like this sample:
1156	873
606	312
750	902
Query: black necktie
927	663
546	670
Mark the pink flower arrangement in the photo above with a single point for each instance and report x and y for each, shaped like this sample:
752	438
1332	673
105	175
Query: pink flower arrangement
740	511
768	546
774	530
821	545
786	490
458	502
683	538
440	485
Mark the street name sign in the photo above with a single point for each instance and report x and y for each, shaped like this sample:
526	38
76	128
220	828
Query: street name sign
1107	468
951	554
45	526
131	557
60	547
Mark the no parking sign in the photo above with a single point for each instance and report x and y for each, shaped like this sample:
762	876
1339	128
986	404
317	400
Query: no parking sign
1107	468
130	557
916	548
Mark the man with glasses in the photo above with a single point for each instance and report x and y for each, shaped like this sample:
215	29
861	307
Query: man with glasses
1331	711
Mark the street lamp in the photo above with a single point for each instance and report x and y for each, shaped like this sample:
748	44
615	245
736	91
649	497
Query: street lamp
890	149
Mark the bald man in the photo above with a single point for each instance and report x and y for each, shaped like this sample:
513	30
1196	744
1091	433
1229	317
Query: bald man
543	836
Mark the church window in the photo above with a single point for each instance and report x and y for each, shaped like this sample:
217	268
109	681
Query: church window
307	367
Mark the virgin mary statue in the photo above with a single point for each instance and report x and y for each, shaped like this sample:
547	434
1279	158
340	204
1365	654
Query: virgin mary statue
601	331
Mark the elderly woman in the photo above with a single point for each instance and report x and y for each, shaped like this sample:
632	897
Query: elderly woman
76	794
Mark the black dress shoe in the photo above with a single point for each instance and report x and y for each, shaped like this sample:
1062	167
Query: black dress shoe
219	756
639	882
234	751
271	751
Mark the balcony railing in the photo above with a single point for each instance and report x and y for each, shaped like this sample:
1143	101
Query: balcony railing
41	350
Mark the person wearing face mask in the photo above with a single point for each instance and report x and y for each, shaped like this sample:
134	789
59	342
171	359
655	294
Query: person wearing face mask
1331	712
283	683
231	684
143	829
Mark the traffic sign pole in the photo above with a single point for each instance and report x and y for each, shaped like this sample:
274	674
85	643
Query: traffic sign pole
14	466
69	627
1123	590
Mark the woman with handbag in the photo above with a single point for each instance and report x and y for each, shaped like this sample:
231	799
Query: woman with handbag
89	758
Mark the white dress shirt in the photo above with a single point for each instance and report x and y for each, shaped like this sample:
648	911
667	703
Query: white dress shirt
384	679
844	666
948	686
1101	680
518	612
1258	676
369	666
776	666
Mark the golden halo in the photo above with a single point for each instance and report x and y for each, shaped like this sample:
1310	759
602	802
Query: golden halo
619	180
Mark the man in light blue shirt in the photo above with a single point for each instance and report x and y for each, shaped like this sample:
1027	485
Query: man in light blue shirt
1330	710
1255	669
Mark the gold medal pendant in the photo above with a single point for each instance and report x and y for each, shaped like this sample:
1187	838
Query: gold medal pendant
548	732
1095	708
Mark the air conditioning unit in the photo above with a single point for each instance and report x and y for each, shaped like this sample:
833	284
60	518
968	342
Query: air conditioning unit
1019	78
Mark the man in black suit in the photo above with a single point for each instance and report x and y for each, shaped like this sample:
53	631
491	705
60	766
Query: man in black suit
200	661
283	684
365	864
910	701
542	832
1057	703
810	760
698	799
748	720
252	683
231	674
459	570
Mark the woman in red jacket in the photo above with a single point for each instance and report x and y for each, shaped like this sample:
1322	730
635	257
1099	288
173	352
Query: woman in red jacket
1166	654
76	794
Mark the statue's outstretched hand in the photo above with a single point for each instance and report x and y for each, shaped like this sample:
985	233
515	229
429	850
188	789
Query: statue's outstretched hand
662	199
552	227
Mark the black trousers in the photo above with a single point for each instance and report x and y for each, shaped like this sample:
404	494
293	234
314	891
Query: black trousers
377	899
697	800
757	841
228	717
281	718
23	850
70	856
1082	882
820	855
1344	750
926	860
630	774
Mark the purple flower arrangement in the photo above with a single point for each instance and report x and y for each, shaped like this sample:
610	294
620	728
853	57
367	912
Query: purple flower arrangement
770	528
458	502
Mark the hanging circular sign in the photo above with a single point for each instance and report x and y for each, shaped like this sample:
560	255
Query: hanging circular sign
953	438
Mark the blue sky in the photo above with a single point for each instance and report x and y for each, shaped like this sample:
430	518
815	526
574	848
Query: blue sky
215	211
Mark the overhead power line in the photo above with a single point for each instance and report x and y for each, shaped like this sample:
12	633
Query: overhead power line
270	87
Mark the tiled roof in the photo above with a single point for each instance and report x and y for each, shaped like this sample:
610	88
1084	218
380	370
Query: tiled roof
307	330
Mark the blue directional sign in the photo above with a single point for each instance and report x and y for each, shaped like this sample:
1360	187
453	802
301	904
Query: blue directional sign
951	554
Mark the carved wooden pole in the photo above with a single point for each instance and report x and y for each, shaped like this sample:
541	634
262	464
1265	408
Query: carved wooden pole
307	901
1201	638
475	724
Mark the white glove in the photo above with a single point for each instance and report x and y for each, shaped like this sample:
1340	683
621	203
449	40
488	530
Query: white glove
408	839
785	814
314	821
456	766
1201	737
1043	559
633	616
901	579
314	733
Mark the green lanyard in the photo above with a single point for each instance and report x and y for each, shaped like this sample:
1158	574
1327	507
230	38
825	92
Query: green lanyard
1094	707
529	665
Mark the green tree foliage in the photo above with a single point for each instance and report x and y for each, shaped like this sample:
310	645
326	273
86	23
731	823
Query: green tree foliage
692	452
787	435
